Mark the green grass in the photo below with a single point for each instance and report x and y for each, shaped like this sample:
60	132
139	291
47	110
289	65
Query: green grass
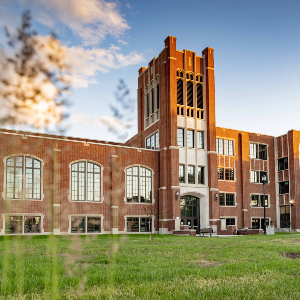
132	267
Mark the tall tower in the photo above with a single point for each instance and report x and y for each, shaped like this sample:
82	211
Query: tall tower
176	115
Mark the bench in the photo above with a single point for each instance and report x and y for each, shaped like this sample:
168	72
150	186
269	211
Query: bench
206	230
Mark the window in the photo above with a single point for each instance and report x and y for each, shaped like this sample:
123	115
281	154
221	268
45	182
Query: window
200	139
230	221
138	224
283	164
201	175
147	106
189	93
180	91
139	185
180	137
199	96
152	100
23	178
85	184
181	174
221	173
157	96
32	224
258	151
258	223
152	142
256	176
224	147
190	138
14	224
191	174
258	200
219	146
85	224
284	187
227	199
229	174
228	147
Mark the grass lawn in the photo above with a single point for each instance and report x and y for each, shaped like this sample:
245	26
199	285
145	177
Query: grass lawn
130	266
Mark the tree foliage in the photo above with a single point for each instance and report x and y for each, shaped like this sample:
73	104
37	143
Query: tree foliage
33	78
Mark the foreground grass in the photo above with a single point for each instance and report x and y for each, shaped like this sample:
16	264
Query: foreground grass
169	267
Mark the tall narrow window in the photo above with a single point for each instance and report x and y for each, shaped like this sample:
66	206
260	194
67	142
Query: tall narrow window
221	173
179	92
201	175
152	141
189	93
156	141
139	185
226	147
152	101
19	186
263	152
190	138
148	112
86	181
191	174
180	137
230	145
181	174
200	139
284	187
219	146
157	96
253	150
199	96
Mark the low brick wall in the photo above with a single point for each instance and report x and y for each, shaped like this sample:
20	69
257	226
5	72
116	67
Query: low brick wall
249	231
189	232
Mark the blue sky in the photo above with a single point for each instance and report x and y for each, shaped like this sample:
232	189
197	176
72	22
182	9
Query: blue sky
256	43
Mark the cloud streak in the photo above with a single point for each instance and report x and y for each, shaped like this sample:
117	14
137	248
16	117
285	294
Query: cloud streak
90	20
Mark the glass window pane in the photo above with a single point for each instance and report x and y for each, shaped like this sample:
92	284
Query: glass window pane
180	137
190	138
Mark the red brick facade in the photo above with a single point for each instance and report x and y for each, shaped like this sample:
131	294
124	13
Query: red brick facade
225	204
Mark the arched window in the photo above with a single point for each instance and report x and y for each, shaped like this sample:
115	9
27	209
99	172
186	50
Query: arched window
23	178
86	181
139	185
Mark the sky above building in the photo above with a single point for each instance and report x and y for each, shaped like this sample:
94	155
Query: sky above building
256	43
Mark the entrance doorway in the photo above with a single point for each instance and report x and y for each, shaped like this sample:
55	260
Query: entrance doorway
190	212
285	216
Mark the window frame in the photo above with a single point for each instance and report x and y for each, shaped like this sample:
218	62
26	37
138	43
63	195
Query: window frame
183	142
86	216
200	137
260	221
284	163
282	182
86	178
190	132
258	151
194	174
259	176
152	218
23	177
148	139
23	215
225	200
139	192
260	200
227	146
202	174
183	169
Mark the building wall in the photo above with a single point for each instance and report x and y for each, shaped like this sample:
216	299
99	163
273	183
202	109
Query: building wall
56	156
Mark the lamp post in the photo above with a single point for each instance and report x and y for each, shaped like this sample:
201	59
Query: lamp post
264	180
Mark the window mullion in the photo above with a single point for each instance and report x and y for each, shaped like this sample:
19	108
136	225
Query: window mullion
85	182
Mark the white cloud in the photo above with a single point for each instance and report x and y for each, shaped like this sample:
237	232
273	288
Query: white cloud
96	120
122	42
92	20
87	62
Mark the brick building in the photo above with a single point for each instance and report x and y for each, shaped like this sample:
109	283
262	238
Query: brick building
179	169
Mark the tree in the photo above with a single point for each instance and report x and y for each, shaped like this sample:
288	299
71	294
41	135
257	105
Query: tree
33	78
